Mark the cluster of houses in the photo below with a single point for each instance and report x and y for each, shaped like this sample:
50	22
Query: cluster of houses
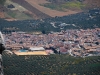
74	42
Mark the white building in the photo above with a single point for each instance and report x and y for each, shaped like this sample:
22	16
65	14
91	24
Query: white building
36	49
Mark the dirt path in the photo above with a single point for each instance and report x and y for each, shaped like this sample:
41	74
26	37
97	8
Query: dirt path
37	13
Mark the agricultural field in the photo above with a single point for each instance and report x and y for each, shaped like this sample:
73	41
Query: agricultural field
50	65
17	12
76	6
37	4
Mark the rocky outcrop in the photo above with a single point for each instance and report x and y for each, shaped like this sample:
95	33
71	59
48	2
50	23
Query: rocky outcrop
1	69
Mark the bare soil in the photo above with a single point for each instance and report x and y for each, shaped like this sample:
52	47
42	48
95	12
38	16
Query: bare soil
31	53
2	10
41	11
37	11
92	3
48	11
32	9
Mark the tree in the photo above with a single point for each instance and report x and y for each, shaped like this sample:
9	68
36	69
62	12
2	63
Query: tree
43	32
2	2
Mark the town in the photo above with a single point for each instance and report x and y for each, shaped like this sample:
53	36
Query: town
75	42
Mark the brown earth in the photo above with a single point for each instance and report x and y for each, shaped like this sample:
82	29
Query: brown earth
2	10
2	15
32	9
31	53
92	3
50	12
41	11
37	11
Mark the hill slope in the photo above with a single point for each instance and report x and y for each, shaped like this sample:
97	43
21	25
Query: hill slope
39	9
85	20
50	65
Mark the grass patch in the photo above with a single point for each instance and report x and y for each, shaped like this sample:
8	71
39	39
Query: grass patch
22	16
67	5
76	5
18	15
53	6
12	14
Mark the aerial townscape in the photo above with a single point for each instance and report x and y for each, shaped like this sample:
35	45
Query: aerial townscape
50	37
74	42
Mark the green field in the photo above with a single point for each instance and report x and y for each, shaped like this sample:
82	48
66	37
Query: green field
62	7
18	15
53	6
72	5
17	12
50	65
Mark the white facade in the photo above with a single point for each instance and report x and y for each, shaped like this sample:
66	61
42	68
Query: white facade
36	48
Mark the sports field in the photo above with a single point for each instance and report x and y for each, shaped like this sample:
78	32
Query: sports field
31	53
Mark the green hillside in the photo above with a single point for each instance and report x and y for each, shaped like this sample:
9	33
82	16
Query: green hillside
18	15
82	20
50	65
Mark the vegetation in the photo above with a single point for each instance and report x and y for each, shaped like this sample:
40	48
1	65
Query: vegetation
67	5
2	2
50	65
73	5
12	14
77	21
18	15
53	6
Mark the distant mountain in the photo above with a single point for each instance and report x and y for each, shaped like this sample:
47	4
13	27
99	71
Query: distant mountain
40	9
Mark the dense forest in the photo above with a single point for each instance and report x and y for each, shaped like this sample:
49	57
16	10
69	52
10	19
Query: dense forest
50	65
83	20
